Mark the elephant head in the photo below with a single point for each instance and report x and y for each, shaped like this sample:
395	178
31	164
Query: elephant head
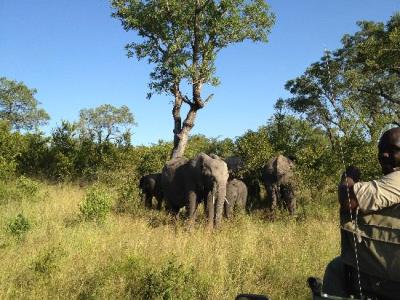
236	195
150	186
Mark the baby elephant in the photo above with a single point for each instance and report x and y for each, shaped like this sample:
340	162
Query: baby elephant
150	185
236	197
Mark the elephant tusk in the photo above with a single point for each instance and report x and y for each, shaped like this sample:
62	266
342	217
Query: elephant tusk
213	199
226	200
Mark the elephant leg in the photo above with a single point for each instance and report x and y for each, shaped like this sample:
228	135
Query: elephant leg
192	206
159	204
288	197
147	200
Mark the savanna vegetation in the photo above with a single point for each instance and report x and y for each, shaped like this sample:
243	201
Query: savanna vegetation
71	221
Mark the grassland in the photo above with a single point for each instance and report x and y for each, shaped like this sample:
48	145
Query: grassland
149	256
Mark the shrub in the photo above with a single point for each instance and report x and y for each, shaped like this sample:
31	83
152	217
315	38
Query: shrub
10	147
97	204
46	262
18	226
171	281
27	187
20	189
128	200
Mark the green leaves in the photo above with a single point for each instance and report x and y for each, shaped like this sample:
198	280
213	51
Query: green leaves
105	123
19	106
355	90
18	226
97	204
182	38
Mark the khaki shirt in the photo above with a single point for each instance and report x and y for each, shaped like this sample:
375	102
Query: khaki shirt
377	194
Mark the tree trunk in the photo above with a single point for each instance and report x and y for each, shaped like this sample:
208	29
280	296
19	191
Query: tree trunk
181	133
181	138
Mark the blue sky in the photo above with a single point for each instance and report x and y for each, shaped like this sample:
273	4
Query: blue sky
73	53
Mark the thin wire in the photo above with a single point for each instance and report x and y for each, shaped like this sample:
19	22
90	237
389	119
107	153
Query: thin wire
355	220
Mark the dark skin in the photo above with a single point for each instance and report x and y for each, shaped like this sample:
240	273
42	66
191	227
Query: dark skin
389	159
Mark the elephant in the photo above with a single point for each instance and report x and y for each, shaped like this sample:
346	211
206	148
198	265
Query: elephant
236	197
186	183
150	186
278	178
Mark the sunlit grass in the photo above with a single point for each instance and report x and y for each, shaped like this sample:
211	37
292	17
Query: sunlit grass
151	256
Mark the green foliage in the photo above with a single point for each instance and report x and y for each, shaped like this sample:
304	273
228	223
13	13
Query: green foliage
352	95
171	280
151	159
372	64
125	184
223	148
21	189
96	205
34	158
255	149
18	226
19	106
46	262
64	147
196	144
316	163
28	187
104	123
10	147
168	31
182	38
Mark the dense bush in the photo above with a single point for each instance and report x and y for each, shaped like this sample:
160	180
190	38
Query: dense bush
21	189
10	147
96	205
169	281
18	226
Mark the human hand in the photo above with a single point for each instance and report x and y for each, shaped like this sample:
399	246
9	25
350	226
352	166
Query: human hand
353	173
347	198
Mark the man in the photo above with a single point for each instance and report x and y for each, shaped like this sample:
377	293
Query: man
377	238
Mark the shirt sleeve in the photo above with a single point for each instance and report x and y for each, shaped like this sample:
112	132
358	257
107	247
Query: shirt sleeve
377	194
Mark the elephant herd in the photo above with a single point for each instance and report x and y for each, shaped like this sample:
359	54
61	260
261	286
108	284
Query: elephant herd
211	180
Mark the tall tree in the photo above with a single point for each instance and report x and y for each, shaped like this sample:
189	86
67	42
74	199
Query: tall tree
355	89
106	123
19	106
372	56
182	39
320	94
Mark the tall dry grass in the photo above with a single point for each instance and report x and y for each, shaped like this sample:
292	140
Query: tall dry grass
149	256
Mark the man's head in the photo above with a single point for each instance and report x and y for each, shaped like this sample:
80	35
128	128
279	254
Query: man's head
389	150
